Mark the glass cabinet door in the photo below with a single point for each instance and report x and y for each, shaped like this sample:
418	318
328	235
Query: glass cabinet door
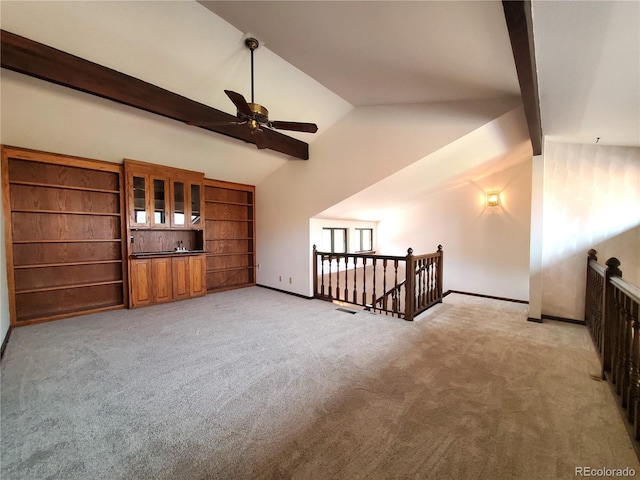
178	203
139	185
159	201
195	204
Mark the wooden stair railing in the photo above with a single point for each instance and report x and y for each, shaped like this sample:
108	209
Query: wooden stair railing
357	278
612	315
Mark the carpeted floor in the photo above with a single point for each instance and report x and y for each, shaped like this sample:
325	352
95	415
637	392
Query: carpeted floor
257	384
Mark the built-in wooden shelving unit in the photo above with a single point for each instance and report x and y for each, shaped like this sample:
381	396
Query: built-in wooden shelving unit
230	235
63	230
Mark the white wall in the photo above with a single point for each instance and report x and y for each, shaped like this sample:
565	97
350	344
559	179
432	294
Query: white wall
179	46
365	146
591	200
486	249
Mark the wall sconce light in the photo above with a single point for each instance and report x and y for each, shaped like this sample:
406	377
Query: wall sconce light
493	199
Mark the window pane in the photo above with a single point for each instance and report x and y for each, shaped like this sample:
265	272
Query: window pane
326	239
158	202
340	240
367	239
195	204
139	200
178	198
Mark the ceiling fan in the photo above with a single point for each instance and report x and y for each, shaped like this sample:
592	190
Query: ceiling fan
254	115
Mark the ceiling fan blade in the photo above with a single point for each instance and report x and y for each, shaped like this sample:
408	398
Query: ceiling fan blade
240	103
214	124
295	126
261	141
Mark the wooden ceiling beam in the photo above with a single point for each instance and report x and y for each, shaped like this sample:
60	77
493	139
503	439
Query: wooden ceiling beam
31	58
519	22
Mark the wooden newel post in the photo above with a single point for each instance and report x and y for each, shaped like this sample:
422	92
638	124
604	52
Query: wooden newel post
409	286
315	271
612	335
440	275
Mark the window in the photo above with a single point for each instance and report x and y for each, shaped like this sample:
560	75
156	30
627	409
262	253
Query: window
334	240
365	237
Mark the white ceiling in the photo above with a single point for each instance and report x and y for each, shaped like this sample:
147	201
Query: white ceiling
387	52
588	59
391	52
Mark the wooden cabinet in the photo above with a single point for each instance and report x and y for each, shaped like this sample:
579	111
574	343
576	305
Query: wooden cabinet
180	266
229	235
151	281
186	204
165	279
63	235
163	197
197	275
147	200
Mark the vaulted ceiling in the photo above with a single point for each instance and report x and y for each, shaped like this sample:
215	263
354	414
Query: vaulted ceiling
373	53
319	60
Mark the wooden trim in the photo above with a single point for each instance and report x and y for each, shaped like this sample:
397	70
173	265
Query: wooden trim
504	299
5	342
209	182
562	319
69	264
224	239
299	295
88	240
230	219
534	320
8	234
520	25
60	316
65	212
20	153
231	269
220	202
162	171
67	287
28	57
64	187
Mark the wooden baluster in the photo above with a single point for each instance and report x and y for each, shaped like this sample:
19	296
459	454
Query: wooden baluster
364	280
338	277
634	372
355	276
384	284
396	306
346	279
438	273
322	272
373	294
315	271
330	279
434	287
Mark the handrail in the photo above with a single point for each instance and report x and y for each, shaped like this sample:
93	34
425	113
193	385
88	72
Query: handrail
356	278
612	314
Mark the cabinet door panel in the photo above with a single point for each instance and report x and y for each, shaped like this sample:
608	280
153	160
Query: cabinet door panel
162	282
180	273
141	286
198	275
138	192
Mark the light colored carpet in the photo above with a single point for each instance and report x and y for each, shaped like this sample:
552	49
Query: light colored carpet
257	384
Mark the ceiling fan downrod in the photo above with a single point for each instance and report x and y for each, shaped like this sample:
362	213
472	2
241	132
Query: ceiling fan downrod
252	44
